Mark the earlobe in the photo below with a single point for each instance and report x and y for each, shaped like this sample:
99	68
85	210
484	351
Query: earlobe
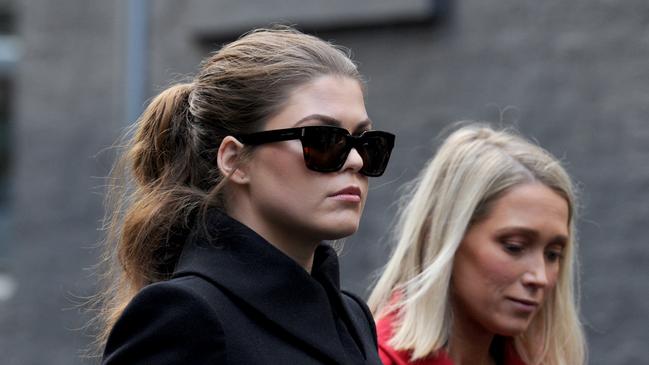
229	160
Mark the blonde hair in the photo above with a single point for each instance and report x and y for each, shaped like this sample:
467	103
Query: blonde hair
473	167
169	171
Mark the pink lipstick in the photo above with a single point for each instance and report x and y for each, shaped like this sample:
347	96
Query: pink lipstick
348	194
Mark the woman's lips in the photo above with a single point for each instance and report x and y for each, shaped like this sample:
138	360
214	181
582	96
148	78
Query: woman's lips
524	305
348	194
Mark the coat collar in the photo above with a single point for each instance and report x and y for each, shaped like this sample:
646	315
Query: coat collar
245	265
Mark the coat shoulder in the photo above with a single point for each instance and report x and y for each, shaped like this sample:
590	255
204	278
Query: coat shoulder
167	323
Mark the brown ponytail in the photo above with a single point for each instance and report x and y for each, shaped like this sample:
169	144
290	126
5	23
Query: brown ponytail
146	218
163	131
169	169
161	163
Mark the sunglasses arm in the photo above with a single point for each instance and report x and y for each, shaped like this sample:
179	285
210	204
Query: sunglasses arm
276	135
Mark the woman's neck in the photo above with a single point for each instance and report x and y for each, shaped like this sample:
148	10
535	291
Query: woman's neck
300	252
293	245
469	342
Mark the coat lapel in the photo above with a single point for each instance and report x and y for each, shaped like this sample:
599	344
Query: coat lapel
327	272
245	265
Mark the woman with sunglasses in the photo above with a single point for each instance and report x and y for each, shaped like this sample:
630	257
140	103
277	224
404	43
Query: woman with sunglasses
482	272
216	256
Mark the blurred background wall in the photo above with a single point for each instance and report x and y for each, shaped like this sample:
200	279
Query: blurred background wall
573	75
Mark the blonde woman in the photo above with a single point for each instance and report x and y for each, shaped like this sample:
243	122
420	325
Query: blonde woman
483	270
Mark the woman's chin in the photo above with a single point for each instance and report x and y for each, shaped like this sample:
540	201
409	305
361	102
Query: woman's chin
511	329
339	231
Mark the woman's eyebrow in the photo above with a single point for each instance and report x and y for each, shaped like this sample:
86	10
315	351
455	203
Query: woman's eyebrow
525	231
319	117
559	239
363	125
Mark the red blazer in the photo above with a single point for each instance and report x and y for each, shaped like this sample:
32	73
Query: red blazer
390	356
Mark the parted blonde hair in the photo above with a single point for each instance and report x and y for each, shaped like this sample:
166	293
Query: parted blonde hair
474	166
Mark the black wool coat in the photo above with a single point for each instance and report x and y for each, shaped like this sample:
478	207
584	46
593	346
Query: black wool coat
236	299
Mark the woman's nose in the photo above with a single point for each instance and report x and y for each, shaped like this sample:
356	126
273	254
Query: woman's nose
536	274
354	161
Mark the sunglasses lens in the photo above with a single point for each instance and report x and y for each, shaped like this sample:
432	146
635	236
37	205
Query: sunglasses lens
325	148
375	151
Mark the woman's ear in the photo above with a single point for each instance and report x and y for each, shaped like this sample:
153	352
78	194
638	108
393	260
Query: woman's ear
229	160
